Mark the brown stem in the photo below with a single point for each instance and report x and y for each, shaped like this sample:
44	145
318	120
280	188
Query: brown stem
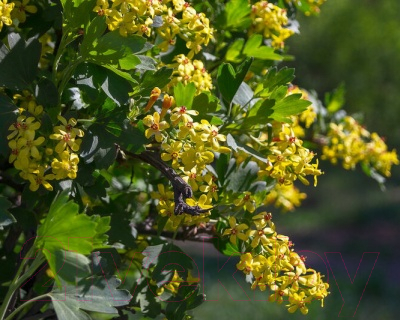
182	190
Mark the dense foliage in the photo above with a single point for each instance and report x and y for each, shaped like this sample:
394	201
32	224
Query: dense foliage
128	124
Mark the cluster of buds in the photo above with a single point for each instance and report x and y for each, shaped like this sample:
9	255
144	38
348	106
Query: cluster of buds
271	21
352	144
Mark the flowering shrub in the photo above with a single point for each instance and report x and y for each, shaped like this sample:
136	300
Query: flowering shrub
129	123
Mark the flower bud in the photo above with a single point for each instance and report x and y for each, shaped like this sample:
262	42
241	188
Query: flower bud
155	93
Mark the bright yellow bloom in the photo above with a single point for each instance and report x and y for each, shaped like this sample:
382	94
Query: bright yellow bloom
156	127
236	231
22	126
173	152
246	201
197	156
182	114
38	178
67	166
5	13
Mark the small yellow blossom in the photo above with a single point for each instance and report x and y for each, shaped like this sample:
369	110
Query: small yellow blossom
236	231
20	10
155	126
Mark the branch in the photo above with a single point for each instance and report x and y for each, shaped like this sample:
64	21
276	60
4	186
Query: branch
182	190
204	233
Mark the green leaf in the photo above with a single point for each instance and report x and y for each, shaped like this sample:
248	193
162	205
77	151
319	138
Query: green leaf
184	94
239	179
244	95
71	265
206	104
275	78
98	146
254	48
47	95
97	294
289	106
93	32
151	79
116	84
334	101
229	81
114	50
146	63
8	115
233	53
161	256
19	65
76	12
132	138
237	14
238	146
6	218
146	298
65	229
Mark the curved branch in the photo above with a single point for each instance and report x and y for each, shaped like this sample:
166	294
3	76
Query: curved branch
182	190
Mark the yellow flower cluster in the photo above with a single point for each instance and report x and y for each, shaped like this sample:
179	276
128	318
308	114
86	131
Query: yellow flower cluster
352	144
138	17
270	21
273	264
32	156
289	160
189	146
285	197
174	284
5	13
186	70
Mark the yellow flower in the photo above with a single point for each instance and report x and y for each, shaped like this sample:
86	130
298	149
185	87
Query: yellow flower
69	126
260	235
236	231
38	178
67	166
173	153
23	125
28	144
210	134
20	10
298	301
182	114
66	139
246	201
197	156
156	127
5	13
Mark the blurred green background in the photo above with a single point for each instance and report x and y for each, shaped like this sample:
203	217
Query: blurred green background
356	42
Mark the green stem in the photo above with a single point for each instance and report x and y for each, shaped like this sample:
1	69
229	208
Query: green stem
67	74
13	286
19	279
22	306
